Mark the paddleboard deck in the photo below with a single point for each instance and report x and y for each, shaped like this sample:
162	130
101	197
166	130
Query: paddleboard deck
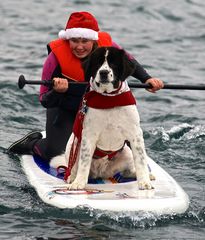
114	194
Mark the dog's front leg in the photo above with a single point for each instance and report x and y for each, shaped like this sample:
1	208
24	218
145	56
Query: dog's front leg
140	160
84	163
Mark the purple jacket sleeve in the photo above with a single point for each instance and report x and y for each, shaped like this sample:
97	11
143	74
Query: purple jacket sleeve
48	97
47	73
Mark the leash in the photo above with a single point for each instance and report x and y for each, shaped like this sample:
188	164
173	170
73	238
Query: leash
72	158
77	129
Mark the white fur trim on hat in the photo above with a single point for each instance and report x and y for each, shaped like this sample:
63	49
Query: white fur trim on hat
78	33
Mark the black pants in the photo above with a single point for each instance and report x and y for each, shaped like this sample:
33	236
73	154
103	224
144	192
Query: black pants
58	130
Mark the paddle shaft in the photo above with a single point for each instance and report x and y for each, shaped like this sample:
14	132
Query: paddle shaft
169	86
22	82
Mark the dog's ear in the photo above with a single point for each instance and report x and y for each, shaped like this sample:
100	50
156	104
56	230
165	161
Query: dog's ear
128	66
86	65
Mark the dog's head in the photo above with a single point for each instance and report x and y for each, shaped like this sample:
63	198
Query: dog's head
106	68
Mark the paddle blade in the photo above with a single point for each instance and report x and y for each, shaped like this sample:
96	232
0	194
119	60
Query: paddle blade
21	81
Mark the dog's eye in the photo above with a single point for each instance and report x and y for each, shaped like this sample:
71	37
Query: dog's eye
99	62
112	58
113	66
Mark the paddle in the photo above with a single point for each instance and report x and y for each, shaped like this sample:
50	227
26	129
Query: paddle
169	86
49	83
22	82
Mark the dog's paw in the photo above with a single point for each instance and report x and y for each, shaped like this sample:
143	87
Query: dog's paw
77	185
70	179
143	185
152	177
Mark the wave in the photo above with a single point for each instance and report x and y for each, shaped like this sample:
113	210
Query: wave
112	220
180	132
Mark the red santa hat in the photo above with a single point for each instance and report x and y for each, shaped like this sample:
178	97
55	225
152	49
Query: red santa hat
80	25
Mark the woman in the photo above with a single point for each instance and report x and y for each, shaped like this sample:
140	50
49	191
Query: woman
63	64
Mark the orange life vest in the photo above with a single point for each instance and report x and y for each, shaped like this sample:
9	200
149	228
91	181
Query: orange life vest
71	65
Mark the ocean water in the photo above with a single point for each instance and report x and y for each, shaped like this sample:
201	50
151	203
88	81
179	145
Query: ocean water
167	38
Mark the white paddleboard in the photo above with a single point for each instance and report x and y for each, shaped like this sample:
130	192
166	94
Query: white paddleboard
116	194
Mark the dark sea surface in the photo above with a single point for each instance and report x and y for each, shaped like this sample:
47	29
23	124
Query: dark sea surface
168	38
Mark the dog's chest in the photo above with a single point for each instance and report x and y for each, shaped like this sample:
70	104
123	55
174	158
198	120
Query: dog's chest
110	127
112	139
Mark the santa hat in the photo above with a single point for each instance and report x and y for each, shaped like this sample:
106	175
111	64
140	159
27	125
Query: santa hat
80	25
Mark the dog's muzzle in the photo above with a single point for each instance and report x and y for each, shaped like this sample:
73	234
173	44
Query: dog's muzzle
104	76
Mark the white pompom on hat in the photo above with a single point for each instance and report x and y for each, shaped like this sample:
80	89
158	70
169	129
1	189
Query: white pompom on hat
80	25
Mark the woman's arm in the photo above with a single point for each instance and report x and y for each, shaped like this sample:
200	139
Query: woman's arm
52	97
141	74
48	96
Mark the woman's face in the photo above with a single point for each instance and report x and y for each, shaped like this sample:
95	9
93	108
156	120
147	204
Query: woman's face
81	47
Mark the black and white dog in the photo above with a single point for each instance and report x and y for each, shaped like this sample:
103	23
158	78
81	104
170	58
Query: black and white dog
109	119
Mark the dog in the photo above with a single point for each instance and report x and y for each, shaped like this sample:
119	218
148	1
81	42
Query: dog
110	125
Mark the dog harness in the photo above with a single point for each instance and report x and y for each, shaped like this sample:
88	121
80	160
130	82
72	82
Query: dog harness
93	99
99	153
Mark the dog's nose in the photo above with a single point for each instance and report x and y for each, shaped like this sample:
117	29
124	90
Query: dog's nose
103	75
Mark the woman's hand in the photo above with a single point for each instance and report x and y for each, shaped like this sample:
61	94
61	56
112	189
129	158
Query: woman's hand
60	85
156	84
